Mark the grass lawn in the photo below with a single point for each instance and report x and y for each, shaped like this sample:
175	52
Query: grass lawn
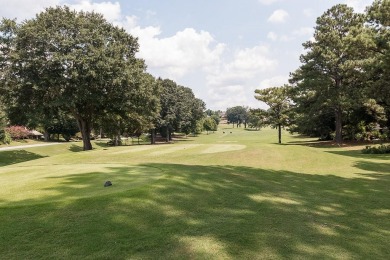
232	194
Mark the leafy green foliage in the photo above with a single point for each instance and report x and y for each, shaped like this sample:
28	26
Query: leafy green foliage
65	126
180	110
257	118
378	21
136	114
209	124
215	115
382	149
5	136
74	61
237	115
278	100
331	76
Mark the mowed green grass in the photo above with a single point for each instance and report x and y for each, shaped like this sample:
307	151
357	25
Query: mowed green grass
232	194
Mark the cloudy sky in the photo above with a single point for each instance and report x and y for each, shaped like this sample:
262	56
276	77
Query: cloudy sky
222	49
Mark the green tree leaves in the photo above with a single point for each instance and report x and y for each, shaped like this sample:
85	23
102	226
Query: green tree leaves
331	78
277	98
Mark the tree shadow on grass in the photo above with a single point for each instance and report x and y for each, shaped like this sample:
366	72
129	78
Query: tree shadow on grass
17	156
75	148
360	155
220	212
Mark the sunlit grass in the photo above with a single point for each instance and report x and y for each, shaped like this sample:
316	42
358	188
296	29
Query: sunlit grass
232	195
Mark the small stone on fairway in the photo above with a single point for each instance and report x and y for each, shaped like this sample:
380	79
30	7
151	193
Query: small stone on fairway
107	183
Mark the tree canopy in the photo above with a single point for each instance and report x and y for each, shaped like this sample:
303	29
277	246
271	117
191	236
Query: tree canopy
330	82
77	62
277	98
180	109
237	115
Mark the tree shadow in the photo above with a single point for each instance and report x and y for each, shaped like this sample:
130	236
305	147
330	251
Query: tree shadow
17	156
252	129
313	143
102	144
75	148
374	168
360	155
197	211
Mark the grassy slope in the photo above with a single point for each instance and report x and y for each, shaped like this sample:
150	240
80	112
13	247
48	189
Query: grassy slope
223	195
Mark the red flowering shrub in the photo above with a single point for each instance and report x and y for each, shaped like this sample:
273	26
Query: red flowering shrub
17	132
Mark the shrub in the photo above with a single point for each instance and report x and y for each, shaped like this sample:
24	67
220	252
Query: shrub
17	132
382	149
5	137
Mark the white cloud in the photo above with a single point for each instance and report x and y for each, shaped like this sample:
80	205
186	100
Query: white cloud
235	81
272	36
278	16
24	9
111	11
179	54
276	81
130	22
230	96
301	32
246	64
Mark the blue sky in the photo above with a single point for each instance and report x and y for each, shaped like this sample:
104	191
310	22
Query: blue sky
222	49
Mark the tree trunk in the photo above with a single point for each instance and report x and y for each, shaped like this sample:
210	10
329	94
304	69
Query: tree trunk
339	126
280	133
153	136
85	129
167	135
117	140
46	136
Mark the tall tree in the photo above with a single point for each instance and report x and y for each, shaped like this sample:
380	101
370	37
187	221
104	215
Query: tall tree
257	118
277	98
195	113
169	101
378	21
73	60
137	111
237	115
209	124
332	68
180	109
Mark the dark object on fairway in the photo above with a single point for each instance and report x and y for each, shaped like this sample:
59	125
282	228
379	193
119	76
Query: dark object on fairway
223	132
107	183
231	132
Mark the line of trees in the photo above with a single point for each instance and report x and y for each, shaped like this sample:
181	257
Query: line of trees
64	68
342	89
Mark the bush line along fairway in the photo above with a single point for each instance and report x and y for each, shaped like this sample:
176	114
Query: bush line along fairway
225	195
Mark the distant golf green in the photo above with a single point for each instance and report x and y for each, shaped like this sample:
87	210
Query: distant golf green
232	194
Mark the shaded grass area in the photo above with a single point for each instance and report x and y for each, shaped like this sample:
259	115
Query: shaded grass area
17	156
66	182
212	212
